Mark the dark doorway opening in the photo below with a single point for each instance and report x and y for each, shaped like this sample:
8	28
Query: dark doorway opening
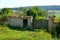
25	23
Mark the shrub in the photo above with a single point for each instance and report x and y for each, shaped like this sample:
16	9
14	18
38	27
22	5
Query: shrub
58	29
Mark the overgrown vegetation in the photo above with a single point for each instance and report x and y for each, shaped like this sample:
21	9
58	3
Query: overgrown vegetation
8	33
36	12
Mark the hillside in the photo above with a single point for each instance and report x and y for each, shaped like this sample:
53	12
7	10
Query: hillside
41	7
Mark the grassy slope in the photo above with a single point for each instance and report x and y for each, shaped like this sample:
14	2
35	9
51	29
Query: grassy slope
57	16
10	34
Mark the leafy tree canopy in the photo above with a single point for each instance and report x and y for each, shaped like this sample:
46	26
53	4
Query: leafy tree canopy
5	11
36	12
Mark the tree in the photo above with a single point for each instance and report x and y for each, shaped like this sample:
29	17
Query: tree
6	11
32	12
36	12
42	13
0	13
24	10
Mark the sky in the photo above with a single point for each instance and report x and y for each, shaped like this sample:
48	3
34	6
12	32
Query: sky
23	3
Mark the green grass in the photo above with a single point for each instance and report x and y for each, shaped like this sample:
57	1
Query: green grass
9	34
57	18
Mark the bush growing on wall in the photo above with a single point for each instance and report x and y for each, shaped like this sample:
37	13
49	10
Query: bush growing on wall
36	12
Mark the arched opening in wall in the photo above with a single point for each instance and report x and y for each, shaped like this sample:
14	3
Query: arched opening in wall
25	23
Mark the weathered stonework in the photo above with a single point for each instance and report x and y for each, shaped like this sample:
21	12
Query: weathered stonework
40	23
18	20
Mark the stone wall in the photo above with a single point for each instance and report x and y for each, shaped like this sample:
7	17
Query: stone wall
15	22
30	21
19	22
40	23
